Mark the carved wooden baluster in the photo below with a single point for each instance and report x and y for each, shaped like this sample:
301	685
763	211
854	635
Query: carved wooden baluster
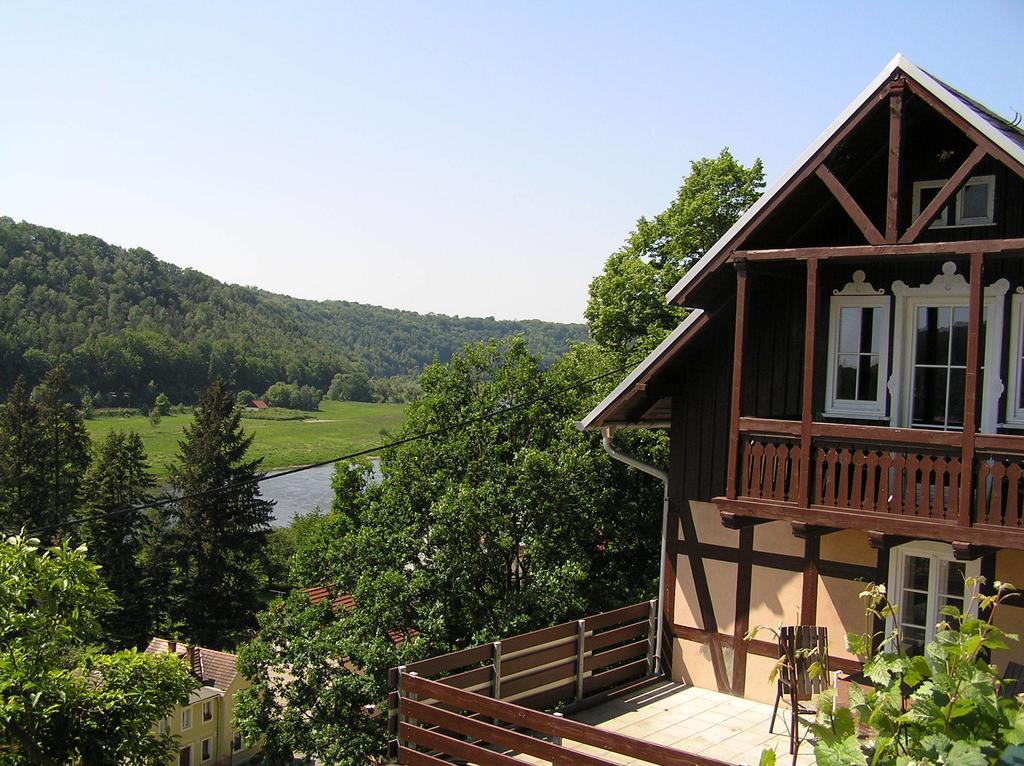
911	486
823	482
998	472
781	461
927	501
981	482
870	468
899	479
1013	473
795	461
843	482
745	459
757	474
940	502
770	464
953	508
857	471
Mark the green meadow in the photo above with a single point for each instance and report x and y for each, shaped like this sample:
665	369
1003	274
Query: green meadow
283	438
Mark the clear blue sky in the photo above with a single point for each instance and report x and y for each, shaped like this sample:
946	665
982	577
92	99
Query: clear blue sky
465	158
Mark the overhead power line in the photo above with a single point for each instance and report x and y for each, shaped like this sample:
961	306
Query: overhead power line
501	411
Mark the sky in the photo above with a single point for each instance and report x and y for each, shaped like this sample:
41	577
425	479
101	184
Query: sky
479	159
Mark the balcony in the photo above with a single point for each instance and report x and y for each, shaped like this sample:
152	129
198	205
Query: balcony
484	704
900	481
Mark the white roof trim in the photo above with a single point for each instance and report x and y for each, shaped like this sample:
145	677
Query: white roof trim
898	62
632	378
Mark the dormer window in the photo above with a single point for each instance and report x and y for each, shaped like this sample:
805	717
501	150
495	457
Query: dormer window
974	204
858	351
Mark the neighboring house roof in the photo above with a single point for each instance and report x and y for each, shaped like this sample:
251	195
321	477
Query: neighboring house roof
260	404
998	130
347	603
212	668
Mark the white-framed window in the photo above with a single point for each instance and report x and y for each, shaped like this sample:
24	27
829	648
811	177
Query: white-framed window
205	750
207	710
930	353
858	351
1015	378
186	718
164	726
923	578
185	756
236	742
973	205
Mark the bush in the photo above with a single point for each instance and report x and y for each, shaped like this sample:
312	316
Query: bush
162	404
292	396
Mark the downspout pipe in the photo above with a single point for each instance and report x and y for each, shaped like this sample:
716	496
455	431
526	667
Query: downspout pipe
607	434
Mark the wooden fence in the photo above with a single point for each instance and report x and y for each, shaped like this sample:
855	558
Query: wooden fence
576	662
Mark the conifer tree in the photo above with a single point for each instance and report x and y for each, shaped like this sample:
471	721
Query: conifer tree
118	478
212	546
23	493
66	450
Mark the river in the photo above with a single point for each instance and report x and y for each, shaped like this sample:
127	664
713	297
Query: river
303	491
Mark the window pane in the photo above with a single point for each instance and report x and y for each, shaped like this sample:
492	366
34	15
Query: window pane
957	381
1020	386
929	407
846	376
927	195
849	329
915	573
913	641
915	608
932	335
958	349
953	573
974	201
869	330
867	383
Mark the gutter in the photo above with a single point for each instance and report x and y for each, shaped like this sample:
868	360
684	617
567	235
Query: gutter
607	433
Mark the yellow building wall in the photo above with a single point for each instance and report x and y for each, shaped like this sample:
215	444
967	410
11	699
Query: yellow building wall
219	730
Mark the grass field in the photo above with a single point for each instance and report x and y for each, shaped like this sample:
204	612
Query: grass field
338	428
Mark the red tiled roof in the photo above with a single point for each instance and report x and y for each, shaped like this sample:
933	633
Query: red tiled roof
212	668
259	404
346	602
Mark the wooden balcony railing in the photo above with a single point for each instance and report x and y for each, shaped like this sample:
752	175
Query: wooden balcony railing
467	714
882	473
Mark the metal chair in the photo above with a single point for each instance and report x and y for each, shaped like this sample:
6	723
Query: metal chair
800	646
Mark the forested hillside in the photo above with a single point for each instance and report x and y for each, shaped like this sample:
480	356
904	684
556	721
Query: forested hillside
127	325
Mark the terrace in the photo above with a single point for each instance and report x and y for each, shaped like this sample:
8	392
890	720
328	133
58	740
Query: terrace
613	708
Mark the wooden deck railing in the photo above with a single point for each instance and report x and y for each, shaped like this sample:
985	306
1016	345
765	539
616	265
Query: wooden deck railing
912	474
573	663
438	722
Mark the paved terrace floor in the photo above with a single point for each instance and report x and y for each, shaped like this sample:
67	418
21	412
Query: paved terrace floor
694	720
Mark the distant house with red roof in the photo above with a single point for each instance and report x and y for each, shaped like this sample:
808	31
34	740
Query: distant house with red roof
205	723
344	601
259	404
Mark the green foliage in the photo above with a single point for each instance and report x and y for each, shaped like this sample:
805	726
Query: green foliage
627	312
492	527
209	557
293	396
162	404
118	478
351	386
943	707
121	318
62	700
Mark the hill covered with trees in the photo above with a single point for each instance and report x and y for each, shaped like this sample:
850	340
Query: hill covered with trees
128	326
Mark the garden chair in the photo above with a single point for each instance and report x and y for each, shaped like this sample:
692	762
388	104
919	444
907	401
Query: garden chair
800	646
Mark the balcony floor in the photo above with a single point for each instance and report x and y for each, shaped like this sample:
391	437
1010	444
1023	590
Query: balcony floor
694	720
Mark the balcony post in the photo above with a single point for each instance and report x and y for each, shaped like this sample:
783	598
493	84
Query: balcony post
581	656
807	392
496	662
737	378
974	307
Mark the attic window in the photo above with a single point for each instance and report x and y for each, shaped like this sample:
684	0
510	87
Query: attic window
974	204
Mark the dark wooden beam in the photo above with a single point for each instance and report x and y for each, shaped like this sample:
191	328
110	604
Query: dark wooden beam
807	394
803	531
735	521
917	249
964	551
974	307
737	377
940	200
809	589
892	193
744	576
968	129
849	204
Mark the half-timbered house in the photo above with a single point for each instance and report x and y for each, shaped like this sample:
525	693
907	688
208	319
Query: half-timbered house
846	400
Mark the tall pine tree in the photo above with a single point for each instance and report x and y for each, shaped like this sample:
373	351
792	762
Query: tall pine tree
213	546
23	491
66	452
119	477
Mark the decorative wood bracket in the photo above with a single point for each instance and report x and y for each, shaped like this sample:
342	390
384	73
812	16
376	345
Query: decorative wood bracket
969	551
881	541
803	530
732	520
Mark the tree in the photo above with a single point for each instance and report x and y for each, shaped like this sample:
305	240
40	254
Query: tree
627	312
162	404
63	701
66	449
212	545
24	495
119	478
351	386
493	526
